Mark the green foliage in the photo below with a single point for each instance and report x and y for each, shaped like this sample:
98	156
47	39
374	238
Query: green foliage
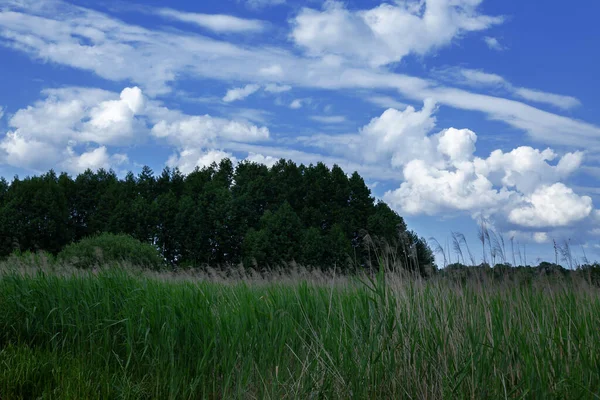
218	215
591	274
35	215
110	248
313	247
278	239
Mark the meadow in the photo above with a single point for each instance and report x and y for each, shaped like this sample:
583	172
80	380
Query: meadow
121	333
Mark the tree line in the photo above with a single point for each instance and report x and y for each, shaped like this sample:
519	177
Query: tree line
218	215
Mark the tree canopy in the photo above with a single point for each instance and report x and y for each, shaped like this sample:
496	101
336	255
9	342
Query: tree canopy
216	215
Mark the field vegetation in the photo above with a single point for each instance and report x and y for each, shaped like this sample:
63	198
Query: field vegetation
120	332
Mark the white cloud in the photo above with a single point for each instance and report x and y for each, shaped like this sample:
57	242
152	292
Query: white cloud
262	3
441	173
269	161
218	23
493	43
297	104
431	190
249	114
387	102
387	33
525	168
457	145
399	135
45	134
479	78
48	133
272	71
370	171
93	159
552	206
188	160
542	126
331	119
240	93
83	115
186	131
81	38
557	100
200	140
21	152
113	121
540	237
1	112
274	88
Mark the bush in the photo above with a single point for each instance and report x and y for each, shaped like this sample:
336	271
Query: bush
108	248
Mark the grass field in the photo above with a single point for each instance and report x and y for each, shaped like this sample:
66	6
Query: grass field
123	335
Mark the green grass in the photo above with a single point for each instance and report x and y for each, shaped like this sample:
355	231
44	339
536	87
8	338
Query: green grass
119	335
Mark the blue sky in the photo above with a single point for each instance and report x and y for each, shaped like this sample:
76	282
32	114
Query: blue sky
452	110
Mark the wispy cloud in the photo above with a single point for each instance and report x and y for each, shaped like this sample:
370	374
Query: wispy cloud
274	88
387	102
479	78
299	103
258	4
218	23
154	59
557	100
240	93
331	119
494	44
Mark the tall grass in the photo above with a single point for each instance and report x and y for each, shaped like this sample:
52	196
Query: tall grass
117	334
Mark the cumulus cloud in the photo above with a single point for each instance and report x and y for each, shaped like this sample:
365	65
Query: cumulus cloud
441	172
551	206
240	93
93	159
187	160
83	114
218	23
46	132
269	161
388	32
21	152
399	135
540	237
53	131
199	140
114	121
205	131
431	190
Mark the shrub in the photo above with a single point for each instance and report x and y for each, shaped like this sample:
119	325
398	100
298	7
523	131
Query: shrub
107	248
